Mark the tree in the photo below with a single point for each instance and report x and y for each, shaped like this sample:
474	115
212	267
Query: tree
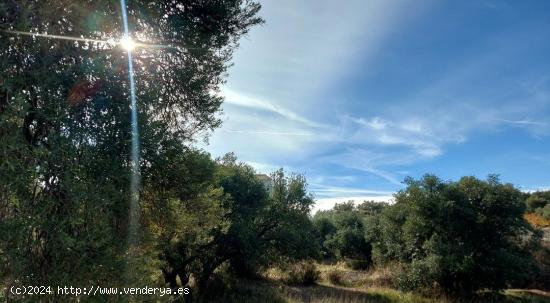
463	235
371	208
324	230
342	232
266	228
206	213
183	212
65	123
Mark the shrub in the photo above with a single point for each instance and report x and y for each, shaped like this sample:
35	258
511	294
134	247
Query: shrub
303	273
383	276
335	277
415	276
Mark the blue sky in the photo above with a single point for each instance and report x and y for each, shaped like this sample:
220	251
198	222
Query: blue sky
359	94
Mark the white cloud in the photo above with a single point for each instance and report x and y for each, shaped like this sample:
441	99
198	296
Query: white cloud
266	132
522	122
265	168
408	131
535	189
374	123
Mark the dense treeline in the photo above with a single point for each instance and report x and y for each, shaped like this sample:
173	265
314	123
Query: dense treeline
455	237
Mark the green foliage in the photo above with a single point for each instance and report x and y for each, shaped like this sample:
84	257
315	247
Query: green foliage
266	228
371	208
537	201
324	230
344	231
462	236
544	211
228	219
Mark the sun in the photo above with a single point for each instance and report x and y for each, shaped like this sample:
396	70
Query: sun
127	43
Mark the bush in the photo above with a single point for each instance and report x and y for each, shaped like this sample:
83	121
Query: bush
303	273
383	276
335	277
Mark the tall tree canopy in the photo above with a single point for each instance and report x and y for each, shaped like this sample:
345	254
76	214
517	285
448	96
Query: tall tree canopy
65	123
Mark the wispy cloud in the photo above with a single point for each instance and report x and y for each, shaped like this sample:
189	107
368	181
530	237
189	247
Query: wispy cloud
413	132
522	122
266	132
363	160
236	98
326	191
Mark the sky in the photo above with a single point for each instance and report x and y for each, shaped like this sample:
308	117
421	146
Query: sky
359	94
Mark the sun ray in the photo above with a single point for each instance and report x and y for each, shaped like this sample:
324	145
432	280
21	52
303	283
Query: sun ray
121	42
59	37
132	237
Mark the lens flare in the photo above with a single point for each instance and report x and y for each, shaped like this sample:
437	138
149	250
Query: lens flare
133	220
127	43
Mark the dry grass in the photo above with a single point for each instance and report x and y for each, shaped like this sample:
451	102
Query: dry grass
339	274
536	220
340	284
334	294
